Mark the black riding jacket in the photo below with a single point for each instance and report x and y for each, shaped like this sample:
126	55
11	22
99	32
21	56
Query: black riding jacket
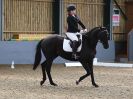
73	22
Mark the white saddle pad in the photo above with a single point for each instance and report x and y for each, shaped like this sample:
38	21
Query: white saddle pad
67	47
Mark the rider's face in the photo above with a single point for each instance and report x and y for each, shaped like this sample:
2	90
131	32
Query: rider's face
73	12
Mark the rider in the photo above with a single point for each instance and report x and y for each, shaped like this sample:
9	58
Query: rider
73	30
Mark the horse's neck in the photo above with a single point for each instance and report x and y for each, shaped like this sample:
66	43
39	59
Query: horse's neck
93	44
93	41
90	42
93	37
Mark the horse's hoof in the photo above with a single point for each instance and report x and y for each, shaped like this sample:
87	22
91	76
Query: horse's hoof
41	83
54	84
77	82
95	85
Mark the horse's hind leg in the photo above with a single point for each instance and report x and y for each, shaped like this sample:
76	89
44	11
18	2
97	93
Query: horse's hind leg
43	72
48	70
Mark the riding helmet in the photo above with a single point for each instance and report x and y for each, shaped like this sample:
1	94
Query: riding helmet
71	7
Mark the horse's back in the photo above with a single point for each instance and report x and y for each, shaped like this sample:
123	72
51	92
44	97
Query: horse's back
52	38
52	42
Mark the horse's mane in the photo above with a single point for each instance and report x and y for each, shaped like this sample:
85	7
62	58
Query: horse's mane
92	30
91	33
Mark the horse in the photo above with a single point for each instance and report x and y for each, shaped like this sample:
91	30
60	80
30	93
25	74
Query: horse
52	47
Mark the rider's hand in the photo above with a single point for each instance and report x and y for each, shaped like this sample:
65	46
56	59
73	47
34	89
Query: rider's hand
81	31
85	30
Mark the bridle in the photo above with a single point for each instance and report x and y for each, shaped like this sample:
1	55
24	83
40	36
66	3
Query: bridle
105	30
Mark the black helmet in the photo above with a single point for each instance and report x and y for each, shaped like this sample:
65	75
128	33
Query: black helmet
71	7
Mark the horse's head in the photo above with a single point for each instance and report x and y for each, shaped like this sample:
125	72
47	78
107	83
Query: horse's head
103	37
97	34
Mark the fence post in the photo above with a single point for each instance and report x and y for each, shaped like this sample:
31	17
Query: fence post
130	45
61	16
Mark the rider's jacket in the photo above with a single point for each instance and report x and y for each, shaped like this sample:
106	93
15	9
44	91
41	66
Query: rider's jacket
73	22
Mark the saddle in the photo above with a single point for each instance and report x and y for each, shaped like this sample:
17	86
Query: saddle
67	44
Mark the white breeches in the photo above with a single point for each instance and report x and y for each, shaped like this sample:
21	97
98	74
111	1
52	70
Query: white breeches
72	36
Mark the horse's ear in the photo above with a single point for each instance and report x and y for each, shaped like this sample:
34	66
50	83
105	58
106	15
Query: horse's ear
100	28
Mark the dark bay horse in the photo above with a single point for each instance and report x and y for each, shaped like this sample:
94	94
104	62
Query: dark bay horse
53	47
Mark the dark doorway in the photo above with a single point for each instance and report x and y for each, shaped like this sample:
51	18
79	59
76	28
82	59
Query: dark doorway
56	16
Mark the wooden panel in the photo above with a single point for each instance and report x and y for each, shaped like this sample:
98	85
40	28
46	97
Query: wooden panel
89	11
129	12
119	31
27	15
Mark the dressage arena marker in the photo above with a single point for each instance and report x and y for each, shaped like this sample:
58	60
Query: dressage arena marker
12	65
95	63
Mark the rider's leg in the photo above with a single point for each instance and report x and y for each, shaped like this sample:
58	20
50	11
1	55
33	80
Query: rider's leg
79	36
74	44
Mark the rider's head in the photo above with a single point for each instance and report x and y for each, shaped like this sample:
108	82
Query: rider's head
71	9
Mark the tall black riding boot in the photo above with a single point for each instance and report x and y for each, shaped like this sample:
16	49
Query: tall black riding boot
75	46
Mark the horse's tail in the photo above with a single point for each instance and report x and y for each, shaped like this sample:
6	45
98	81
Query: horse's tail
38	55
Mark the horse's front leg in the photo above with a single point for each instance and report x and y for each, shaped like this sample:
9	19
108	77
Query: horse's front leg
86	67
92	75
89	70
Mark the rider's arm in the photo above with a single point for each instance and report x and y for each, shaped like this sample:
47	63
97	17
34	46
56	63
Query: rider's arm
79	22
